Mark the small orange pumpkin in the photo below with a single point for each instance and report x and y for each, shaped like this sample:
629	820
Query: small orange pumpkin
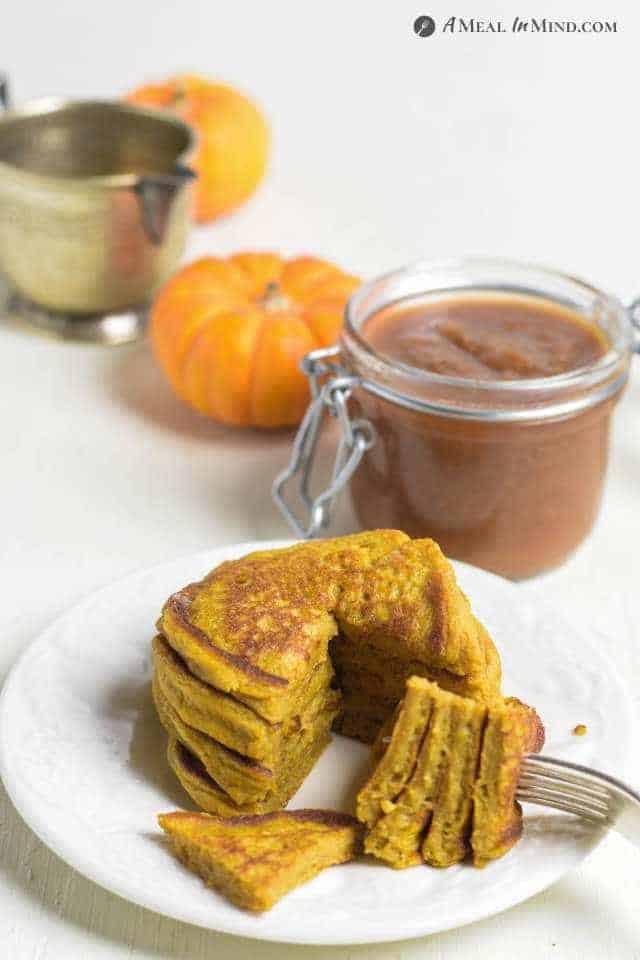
233	139
230	334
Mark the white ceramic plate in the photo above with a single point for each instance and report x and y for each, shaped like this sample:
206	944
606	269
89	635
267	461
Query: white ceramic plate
82	757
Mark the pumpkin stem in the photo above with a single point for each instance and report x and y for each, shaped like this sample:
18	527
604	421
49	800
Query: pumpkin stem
179	95
274	299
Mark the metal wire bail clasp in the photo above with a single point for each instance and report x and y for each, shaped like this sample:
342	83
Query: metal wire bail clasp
331	388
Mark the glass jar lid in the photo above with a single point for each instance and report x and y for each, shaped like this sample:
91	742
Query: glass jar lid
492	400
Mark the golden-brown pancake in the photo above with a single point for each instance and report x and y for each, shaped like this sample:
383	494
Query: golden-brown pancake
397	760
227	720
245	781
446	840
205	792
257	627
255	860
397	834
513	729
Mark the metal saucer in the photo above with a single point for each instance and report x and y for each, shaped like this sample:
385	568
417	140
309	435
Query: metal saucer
110	329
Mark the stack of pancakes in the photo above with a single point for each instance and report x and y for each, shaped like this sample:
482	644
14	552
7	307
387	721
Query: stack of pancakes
228	756
445	779
256	662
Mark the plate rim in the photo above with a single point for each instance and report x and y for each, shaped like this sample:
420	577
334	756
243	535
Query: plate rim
89	868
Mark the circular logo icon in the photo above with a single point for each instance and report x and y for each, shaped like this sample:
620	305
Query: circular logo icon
424	26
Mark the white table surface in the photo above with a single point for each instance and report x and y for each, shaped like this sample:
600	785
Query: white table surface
386	148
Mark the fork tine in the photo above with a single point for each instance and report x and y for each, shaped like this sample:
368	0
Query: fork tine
588	793
561	787
561	796
554	775
546	767
565	805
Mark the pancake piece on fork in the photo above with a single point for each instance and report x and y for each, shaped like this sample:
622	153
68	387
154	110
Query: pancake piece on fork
445	776
513	729
425	778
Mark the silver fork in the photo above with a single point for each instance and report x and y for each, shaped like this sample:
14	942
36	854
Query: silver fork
587	793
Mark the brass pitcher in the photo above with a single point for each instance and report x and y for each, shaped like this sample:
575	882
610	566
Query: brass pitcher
94	203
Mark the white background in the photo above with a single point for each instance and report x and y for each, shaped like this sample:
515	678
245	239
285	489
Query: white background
386	148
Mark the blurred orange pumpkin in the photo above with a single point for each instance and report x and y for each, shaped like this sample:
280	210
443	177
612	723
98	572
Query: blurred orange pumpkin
233	139
230	334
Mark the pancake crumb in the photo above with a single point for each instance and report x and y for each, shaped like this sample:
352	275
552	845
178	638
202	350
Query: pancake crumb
579	730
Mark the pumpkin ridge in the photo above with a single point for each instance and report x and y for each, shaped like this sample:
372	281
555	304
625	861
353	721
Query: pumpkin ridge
169	344
253	379
243	310
301	275
187	388
200	328
306	319
316	314
285	339
189	356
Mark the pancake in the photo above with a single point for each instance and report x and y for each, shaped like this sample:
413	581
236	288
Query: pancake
444	780
397	760
397	834
384	678
245	781
447	837
203	790
362	715
408	607
493	665
257	627
226	719
513	730
256	860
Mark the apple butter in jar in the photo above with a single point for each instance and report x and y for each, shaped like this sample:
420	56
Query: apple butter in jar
475	401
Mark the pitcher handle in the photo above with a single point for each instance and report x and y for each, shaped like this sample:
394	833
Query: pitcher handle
331	388
156	193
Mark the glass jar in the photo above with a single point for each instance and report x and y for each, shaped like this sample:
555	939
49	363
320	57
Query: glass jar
505	474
